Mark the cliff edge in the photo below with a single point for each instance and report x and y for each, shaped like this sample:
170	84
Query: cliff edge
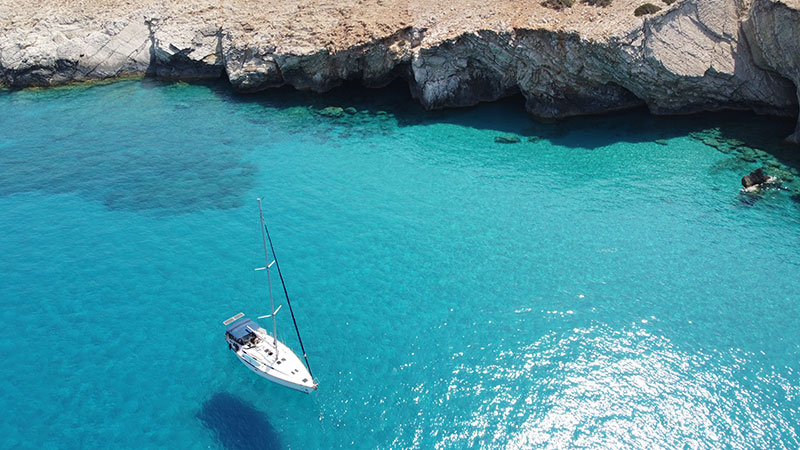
693	55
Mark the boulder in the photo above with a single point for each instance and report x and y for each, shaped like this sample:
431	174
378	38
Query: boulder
756	178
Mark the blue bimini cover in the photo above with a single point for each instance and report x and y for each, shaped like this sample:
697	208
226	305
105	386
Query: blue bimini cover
239	329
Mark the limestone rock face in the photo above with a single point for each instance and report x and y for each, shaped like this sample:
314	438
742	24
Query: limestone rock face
56	53
184	51
51	54
257	67
773	28
692	58
695	55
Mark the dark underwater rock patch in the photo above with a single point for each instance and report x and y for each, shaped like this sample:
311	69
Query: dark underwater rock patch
507	139
743	157
748	198
333	112
713	138
732	164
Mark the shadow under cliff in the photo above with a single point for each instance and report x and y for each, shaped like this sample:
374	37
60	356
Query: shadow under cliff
508	116
395	101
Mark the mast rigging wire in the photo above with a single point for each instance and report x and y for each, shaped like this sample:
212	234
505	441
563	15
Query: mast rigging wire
278	266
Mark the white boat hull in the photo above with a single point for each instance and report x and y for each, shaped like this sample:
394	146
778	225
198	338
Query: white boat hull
282	367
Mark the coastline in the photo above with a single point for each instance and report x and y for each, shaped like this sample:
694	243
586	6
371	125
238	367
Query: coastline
693	56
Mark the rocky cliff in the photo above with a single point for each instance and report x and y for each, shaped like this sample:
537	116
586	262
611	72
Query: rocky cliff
695	55
773	29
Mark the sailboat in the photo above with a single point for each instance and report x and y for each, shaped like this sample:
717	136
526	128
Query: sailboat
261	352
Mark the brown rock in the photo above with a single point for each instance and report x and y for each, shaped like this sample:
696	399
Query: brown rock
755	178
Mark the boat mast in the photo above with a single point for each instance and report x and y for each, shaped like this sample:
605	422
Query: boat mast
285	292
269	280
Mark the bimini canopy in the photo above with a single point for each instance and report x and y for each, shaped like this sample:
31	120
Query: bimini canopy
239	330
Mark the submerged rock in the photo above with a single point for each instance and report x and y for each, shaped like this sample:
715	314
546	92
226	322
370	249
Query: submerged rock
507	139
331	111
713	138
747	154
782	174
350	110
748	198
732	164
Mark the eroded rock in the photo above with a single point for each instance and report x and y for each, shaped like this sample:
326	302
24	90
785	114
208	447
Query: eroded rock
773	30
695	55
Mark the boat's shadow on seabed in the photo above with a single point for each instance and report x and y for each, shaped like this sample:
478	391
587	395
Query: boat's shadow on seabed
237	424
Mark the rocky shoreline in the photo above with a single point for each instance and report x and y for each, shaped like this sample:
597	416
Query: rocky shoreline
694	55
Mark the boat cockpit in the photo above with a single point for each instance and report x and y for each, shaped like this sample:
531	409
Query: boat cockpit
242	333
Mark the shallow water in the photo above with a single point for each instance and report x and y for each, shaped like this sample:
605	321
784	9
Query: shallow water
602	283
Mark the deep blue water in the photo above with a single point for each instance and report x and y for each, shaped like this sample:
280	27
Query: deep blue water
601	284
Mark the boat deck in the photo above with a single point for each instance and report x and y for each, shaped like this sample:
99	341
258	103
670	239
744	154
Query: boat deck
281	366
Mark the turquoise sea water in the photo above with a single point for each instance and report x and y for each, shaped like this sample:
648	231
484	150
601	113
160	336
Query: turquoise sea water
601	284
